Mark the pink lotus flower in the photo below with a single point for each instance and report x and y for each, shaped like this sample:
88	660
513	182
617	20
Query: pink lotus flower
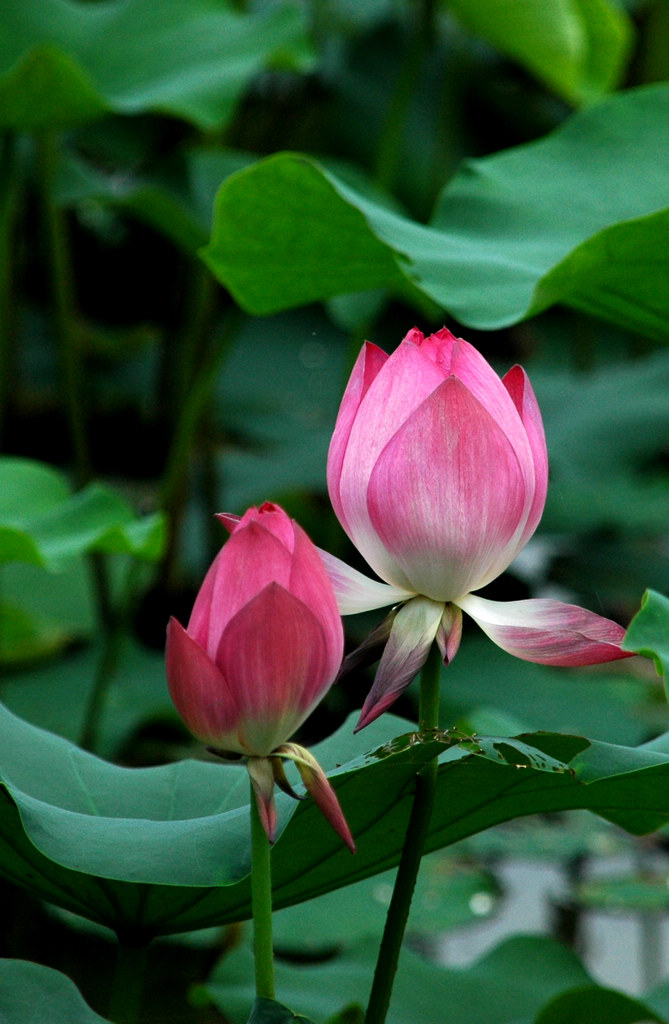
264	644
438	472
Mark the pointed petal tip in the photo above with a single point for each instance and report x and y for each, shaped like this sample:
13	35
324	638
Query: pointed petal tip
320	790
229	520
370	712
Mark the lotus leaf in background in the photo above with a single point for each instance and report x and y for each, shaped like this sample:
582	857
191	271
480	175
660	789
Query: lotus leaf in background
577	49
27	988
648	634
66	63
509	984
45	530
494	252
43	523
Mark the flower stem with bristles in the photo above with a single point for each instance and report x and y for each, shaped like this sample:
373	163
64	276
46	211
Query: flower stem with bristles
407	872
261	899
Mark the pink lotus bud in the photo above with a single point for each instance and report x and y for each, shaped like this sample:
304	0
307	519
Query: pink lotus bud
437	467
264	642
438	472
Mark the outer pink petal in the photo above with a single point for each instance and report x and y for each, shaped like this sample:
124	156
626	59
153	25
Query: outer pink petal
319	789
275	657
309	581
402	383
447	494
458	358
367	365
413	631
273	519
250	560
200	693
547	632
357	593
518	385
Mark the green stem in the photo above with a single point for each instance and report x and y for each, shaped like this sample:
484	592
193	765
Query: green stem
62	298
407	872
10	201
59	262
127	984
176	477
390	144
261	902
114	628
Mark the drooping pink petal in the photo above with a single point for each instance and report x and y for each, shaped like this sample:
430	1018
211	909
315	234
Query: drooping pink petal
446	494
413	631
356	592
449	633
251	558
262	781
275	658
200	693
547	632
368	364
319	789
405	380
522	394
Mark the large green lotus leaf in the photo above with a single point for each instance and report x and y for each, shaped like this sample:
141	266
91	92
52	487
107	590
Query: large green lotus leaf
449	892
596	1006
289	213
576	47
31	994
268	1011
159	850
63	62
508	985
287	232
648	632
42	523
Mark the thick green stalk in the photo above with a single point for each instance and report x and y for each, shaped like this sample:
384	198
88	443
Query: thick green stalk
127	984
261	902
407	872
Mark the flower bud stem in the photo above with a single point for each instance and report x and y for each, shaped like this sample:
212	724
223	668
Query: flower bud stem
261	902
407	872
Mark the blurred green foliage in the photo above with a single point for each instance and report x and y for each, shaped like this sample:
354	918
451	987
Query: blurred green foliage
205	207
